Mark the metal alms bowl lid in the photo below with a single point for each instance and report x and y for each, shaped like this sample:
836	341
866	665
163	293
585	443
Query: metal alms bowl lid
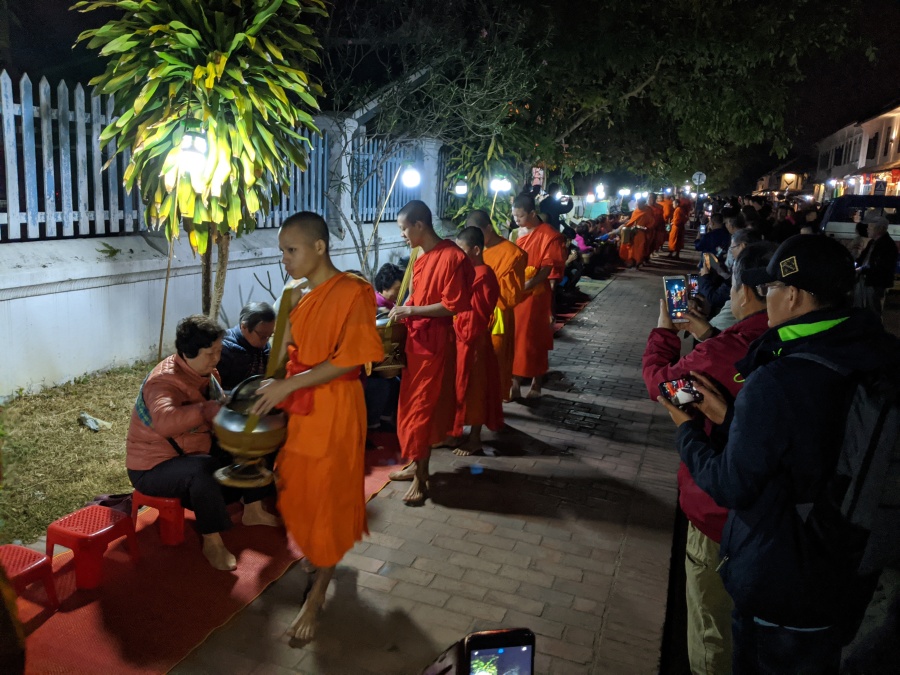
233	416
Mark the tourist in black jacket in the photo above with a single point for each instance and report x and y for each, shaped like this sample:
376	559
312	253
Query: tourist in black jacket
794	605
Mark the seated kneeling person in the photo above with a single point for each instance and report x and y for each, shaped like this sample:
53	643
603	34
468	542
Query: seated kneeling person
170	448
245	347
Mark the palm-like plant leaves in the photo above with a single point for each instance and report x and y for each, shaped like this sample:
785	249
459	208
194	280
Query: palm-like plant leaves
228	71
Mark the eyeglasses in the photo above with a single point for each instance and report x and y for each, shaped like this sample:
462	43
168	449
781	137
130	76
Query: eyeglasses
263	335
763	289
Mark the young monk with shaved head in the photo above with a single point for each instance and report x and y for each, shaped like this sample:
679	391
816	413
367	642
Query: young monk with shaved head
321	468
441	286
479	401
508	263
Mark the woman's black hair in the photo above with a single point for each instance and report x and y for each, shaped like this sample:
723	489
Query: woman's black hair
194	333
387	276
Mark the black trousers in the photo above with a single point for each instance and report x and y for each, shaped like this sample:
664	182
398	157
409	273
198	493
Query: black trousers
190	479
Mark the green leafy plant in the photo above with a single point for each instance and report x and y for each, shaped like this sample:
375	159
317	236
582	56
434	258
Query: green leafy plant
225	80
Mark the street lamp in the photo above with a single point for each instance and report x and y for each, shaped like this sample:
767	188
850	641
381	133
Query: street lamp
461	188
411	178
624	192
497	186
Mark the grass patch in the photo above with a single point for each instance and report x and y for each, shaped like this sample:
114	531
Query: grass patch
51	464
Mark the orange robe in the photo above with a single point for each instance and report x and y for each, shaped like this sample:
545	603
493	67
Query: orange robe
321	468
659	228
478	396
545	247
427	406
668	207
637	250
679	223
508	262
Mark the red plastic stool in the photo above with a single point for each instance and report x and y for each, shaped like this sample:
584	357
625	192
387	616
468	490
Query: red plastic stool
88	532
24	566
170	519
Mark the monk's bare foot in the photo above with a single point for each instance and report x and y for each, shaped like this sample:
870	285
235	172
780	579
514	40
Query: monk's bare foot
417	493
534	392
219	556
404	474
467	450
256	514
516	392
303	628
449	442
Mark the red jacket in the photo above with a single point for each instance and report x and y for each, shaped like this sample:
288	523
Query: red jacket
714	358
176	399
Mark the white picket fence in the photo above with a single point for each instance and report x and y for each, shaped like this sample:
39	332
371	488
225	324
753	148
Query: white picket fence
375	181
53	167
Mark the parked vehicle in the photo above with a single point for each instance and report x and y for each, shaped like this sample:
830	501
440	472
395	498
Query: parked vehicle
838	219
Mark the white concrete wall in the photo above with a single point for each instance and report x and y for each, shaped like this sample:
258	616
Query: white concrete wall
67	309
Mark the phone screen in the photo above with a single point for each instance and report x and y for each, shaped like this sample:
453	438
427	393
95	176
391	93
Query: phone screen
681	391
676	298
693	284
501	660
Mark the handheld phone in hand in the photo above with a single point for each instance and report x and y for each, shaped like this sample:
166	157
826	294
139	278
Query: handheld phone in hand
499	651
693	285
676	289
680	392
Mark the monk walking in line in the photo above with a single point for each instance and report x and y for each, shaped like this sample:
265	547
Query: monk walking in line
479	401
545	248
508	262
659	224
441	287
321	468
679	222
637	234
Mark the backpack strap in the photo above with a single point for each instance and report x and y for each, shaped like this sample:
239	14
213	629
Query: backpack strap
840	370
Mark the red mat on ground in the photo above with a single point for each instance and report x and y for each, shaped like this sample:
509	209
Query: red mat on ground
145	618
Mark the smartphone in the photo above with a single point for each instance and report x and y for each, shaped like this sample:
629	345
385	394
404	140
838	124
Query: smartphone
676	289
693	285
499	651
680	392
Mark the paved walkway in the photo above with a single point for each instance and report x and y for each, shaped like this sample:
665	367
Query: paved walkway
567	531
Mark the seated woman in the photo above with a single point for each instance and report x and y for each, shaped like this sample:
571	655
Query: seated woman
387	287
245	348
170	450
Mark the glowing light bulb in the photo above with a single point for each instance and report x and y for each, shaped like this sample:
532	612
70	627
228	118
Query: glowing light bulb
461	188
410	177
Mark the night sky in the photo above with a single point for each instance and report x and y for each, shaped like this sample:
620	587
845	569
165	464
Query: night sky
835	92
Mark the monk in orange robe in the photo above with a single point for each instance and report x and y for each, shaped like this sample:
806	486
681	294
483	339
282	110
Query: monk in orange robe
659	224
321	467
636	235
668	207
441	287
679	222
479	401
546	251
508	262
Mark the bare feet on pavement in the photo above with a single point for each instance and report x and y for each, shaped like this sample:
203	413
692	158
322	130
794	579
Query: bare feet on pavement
256	514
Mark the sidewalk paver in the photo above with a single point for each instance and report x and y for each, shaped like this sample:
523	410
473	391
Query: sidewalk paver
567	531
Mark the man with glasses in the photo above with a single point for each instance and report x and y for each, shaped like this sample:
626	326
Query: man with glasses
245	347
795	603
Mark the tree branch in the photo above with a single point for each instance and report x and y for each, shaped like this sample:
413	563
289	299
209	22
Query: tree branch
588	114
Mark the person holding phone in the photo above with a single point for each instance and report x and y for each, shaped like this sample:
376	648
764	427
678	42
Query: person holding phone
797	601
711	366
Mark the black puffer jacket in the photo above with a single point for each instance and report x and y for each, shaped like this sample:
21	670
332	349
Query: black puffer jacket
783	442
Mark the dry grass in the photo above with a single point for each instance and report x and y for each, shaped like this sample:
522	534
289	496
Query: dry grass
53	465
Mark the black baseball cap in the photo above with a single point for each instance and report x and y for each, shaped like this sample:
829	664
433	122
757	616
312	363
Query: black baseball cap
814	263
